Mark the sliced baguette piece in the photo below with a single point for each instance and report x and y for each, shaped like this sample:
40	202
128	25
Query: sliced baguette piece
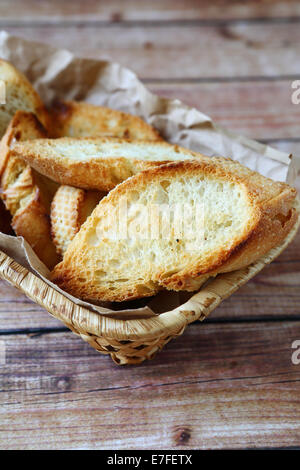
26	194
97	163
127	250
69	210
71	206
19	95
79	119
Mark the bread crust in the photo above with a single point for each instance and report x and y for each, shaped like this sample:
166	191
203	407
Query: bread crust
71	206
80	119
279	211
272	210
101	174
18	88
26	194
69	210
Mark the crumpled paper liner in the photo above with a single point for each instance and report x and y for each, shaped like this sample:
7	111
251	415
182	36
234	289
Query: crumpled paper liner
60	74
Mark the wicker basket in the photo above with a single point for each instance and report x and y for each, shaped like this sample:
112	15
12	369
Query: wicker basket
132	341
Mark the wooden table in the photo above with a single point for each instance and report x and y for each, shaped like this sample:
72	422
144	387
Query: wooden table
226	383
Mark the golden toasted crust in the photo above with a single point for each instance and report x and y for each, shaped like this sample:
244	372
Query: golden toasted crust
32	223
279	211
71	206
272	206
20	95
79	119
101	173
26	194
278	217
69	210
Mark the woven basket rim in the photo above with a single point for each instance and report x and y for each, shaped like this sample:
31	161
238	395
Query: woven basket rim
92	323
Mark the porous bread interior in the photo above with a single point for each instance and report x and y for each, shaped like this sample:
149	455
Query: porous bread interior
80	119
64	216
26	193
142	261
19	95
85	149
18	181
15	100
69	210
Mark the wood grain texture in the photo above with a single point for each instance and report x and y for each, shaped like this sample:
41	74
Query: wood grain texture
217	386
259	109
18	312
146	10
135	340
186	52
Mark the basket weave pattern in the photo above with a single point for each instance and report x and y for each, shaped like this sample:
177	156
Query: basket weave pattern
132	341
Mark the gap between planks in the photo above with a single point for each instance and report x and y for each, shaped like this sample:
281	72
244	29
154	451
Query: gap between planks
36	332
182	52
94	23
135	10
236	382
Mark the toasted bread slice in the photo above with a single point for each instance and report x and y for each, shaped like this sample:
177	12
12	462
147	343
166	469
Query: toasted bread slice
19	95
69	210
71	206
99	163
27	194
172	227
79	119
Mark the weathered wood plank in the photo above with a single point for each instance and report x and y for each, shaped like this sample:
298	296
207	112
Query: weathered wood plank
23	11
262	110
259	110
18	312
189	51
216	386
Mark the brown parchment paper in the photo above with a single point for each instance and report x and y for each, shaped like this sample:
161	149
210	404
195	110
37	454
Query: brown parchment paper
59	73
